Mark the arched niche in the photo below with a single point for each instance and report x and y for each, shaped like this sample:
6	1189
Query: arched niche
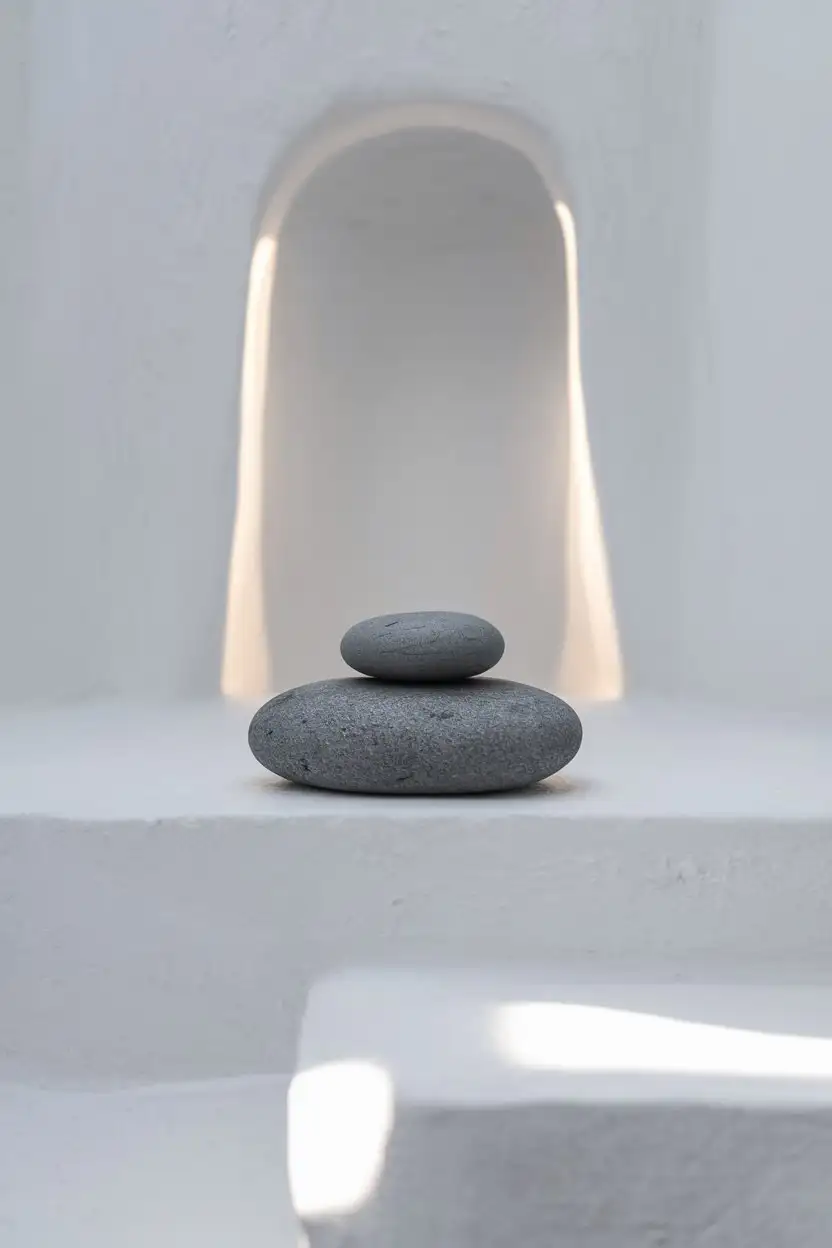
412	416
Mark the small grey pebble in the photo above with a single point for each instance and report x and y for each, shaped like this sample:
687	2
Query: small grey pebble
372	736
422	645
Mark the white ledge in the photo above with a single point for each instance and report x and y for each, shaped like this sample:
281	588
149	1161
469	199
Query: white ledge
166	904
111	761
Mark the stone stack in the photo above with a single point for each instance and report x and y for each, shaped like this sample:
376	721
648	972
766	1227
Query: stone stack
420	719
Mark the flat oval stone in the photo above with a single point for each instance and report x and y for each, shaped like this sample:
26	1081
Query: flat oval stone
372	736
422	645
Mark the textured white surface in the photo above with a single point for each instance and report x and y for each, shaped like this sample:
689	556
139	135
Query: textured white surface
188	1166
166	904
757	608
90	1165
613	1115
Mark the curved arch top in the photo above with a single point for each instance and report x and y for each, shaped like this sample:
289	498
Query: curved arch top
343	128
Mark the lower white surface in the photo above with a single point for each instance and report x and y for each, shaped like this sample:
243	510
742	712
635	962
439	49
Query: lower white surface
203	1164
483	1109
165	904
199	1166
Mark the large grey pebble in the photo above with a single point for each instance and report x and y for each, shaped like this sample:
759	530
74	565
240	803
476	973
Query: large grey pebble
422	645
372	736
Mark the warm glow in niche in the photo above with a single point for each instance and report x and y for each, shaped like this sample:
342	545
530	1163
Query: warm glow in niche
590	664
245	668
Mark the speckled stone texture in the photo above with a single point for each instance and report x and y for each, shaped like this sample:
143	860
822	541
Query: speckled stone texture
422	645
372	736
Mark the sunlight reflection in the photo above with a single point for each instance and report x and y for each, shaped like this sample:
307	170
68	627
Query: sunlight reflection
340	1119
555	1036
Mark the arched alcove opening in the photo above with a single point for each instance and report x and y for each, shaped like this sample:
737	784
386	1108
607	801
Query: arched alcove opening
412	425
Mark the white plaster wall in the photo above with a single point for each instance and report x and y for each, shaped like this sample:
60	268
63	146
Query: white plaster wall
52	450
13	148
758	599
14	136
156	129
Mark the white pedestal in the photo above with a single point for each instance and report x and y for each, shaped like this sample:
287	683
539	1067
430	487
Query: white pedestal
483	1110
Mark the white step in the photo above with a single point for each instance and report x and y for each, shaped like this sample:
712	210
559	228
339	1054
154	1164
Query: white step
166	904
472	1110
203	1163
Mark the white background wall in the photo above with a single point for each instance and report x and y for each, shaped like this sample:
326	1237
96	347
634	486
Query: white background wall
154	131
14	90
156	128
758	606
13	145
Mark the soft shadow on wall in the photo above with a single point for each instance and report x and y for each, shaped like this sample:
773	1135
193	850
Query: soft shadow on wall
413	428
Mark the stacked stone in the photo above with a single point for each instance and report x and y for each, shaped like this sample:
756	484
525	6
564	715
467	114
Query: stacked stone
420	719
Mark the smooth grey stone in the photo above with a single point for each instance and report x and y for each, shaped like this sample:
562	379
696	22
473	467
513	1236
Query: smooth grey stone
372	736
422	645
